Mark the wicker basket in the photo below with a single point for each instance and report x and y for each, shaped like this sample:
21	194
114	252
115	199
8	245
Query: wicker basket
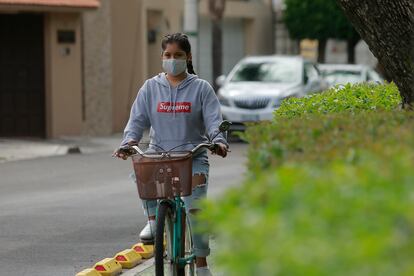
160	177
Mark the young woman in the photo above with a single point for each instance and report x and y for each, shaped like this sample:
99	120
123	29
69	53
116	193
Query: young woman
179	108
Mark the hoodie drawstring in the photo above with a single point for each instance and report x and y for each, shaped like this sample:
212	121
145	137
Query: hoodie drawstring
173	100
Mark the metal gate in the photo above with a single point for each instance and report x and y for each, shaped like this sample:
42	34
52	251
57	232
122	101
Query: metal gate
22	76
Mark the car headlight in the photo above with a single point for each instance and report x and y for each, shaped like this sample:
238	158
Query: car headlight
223	101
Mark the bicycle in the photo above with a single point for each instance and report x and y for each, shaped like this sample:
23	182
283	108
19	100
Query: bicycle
166	176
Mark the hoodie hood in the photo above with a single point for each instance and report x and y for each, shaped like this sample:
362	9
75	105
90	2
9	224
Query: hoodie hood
161	78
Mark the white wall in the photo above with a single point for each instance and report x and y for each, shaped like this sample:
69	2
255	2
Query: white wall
336	51
233	45
363	55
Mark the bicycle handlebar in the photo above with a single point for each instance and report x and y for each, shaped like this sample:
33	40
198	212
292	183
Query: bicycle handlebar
127	150
224	126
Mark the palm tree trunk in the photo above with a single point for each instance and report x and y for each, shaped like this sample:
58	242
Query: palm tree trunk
350	47
216	8
321	50
217	51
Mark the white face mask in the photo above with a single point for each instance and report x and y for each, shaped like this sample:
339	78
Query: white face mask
174	67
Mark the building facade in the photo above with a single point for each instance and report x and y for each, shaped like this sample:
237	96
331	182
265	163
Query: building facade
284	45
41	67
73	67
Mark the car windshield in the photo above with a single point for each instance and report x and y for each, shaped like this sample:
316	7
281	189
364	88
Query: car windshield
343	76
283	71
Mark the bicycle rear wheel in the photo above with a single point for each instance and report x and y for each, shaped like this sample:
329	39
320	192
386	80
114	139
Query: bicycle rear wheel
165	224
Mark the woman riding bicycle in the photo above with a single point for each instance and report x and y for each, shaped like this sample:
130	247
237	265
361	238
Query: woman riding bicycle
179	108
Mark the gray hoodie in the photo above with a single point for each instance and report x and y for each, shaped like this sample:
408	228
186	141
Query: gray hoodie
188	113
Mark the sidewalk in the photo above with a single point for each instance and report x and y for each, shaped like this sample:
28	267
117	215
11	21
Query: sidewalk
20	149
150	271
30	148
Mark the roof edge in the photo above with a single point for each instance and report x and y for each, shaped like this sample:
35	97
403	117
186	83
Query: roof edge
50	4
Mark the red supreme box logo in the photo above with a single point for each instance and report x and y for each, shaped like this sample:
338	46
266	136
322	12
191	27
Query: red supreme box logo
179	107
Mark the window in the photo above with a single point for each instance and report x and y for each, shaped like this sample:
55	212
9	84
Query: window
282	71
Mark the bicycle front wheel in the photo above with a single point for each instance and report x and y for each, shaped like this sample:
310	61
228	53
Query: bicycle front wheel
188	247
164	261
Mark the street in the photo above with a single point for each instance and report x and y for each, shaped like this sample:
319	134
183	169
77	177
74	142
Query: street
59	215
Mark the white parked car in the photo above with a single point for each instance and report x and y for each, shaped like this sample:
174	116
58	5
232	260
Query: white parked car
341	74
257	85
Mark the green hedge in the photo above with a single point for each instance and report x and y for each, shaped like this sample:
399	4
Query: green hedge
323	138
335	219
328	192
349	98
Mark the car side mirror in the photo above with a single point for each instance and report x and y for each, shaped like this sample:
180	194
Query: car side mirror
220	80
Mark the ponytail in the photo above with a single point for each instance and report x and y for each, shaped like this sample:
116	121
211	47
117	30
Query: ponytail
190	68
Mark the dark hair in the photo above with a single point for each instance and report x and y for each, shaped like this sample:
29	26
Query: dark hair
183	42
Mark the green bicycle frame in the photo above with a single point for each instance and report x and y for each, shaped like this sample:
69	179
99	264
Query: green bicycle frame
178	232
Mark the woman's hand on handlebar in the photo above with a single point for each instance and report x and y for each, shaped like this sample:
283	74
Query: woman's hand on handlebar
119	153
220	149
122	153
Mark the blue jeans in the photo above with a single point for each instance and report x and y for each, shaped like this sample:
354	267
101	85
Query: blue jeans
200	241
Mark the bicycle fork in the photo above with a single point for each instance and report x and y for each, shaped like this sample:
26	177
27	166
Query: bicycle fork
179	222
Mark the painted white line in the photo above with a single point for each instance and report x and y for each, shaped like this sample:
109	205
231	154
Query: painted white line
141	267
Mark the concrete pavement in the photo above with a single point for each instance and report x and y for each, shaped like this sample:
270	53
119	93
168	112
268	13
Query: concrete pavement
21	149
148	269
61	214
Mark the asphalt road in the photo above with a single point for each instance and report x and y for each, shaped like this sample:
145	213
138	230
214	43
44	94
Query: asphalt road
59	215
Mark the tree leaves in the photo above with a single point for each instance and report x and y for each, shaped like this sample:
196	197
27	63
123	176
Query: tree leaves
317	19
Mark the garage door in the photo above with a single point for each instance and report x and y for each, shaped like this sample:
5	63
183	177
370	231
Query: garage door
233	45
22	89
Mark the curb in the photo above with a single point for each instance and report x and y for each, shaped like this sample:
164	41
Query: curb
109	265
138	269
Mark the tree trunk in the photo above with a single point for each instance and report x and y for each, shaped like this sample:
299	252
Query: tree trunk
321	50
217	51
216	9
382	72
388	29
350	48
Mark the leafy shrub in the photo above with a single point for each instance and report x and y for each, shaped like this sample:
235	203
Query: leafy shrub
329	190
335	219
350	98
322	138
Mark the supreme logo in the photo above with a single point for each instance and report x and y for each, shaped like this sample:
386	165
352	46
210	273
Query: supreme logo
179	107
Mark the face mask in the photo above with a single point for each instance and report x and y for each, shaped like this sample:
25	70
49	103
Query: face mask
174	67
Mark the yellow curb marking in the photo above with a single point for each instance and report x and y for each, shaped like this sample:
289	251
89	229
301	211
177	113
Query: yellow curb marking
108	267
128	258
88	272
145	250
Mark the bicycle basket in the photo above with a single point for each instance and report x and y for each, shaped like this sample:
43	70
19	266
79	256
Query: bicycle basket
160	177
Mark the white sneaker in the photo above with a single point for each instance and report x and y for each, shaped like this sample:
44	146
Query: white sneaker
148	233
203	271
